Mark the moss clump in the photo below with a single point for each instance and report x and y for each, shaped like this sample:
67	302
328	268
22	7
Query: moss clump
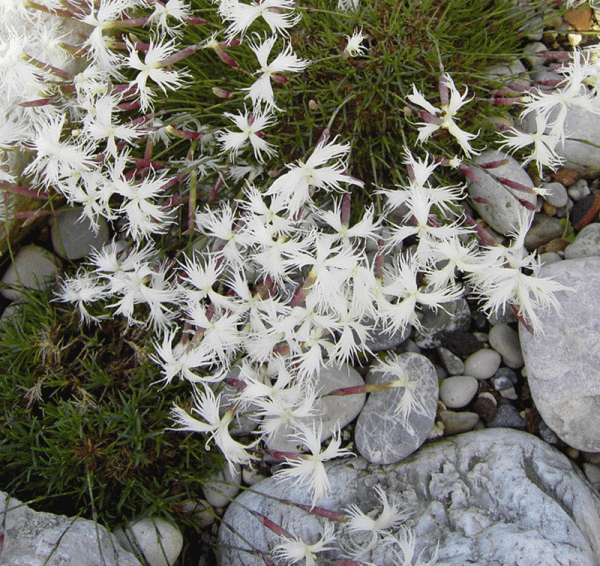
83	422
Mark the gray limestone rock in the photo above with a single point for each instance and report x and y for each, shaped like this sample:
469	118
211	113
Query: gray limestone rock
586	244
563	364
44	539
74	236
387	429
490	497
497	203
381	338
582	139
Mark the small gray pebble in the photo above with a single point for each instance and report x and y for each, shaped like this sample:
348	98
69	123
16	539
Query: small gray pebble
508	417
453	364
547	434
441	372
501	382
507	372
557	194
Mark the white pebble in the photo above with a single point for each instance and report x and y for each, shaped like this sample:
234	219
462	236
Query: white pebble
505	341
153	539
222	487
458	391
483	364
203	513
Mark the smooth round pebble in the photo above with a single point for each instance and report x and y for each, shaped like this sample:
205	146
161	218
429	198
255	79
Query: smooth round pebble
153	539
506	342
557	194
483	364
456	423
223	486
31	268
458	391
203	513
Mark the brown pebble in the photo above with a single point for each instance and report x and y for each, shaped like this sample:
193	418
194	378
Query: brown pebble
549	209
584	211
580	19
556	245
486	407
566	176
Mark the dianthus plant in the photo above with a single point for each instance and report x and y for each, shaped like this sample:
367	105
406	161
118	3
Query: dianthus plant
248	239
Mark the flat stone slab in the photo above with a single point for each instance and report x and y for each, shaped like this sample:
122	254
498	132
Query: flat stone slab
495	496
563	364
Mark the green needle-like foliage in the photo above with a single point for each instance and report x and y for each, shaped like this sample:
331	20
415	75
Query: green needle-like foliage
362	98
83	421
408	43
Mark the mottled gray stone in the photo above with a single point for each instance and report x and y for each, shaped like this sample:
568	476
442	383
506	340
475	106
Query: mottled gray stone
436	323
44	539
586	243
457	422
497	204
543	229
384	433
563	364
491	497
